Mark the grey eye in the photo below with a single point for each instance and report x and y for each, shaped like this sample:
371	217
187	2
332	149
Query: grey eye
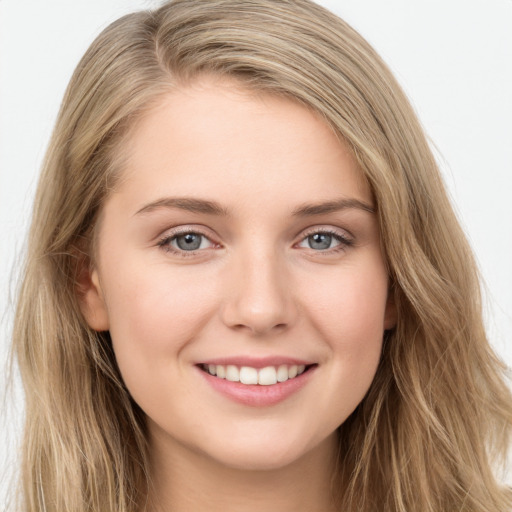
189	241
320	241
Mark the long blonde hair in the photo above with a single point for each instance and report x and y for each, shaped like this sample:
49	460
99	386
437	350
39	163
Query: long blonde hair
436	420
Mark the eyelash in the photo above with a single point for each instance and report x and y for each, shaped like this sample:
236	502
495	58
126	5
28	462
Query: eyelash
344	241
165	242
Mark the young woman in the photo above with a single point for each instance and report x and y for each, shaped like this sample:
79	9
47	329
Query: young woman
245	286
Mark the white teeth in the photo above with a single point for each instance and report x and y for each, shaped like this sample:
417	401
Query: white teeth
283	373
268	376
232	373
247	375
292	372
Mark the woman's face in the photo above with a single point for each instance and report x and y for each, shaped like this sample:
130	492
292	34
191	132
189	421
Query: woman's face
241	241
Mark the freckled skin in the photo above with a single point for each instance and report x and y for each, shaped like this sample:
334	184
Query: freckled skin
256	287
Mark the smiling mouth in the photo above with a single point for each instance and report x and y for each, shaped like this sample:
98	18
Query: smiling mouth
248	375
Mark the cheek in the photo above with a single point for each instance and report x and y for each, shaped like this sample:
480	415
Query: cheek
348	311
154	312
349	308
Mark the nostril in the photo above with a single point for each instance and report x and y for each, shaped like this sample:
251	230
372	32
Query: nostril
260	328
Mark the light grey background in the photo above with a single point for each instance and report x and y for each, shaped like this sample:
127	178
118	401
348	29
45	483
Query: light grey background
453	57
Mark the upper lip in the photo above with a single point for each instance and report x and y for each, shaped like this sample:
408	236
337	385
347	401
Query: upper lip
256	362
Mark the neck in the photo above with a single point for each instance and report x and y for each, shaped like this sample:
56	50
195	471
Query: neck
186	481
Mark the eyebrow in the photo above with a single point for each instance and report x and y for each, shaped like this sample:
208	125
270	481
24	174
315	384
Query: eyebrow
189	204
213	208
307	210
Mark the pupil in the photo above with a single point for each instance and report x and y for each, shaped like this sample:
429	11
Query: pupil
189	242
320	241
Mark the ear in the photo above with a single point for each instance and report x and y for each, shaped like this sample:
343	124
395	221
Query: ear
91	299
390	313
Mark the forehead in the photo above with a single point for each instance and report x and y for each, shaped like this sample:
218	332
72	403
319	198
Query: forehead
216	137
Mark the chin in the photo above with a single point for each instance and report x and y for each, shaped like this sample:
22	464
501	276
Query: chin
267	453
247	459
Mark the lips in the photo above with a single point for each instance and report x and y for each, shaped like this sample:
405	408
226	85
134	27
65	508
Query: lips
257	382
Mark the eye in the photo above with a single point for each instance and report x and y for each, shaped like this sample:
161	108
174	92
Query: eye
189	242
325	241
186	241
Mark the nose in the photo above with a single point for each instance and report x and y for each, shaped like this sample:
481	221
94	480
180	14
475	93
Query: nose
259	298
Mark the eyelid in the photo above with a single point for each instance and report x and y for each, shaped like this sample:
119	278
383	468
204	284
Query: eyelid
330	230
172	233
345	239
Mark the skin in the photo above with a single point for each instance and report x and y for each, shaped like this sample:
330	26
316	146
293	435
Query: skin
255	287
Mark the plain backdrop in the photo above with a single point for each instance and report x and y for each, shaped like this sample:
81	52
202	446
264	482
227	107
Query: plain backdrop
453	58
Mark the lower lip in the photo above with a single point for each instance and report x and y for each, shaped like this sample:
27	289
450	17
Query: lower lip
256	395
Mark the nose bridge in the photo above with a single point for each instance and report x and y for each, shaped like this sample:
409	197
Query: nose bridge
259	298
